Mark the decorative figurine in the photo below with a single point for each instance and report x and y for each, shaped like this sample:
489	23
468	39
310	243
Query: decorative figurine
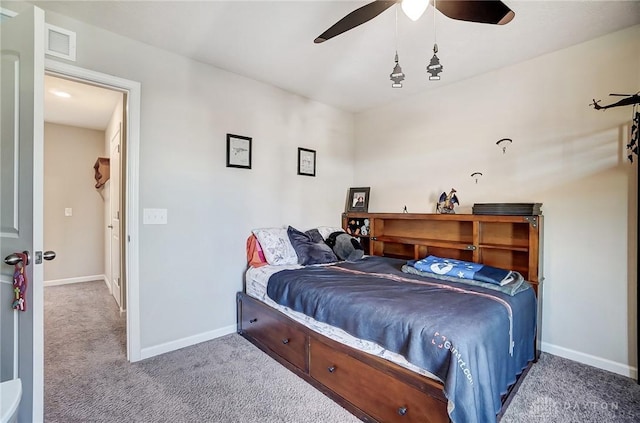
353	227
364	231
446	202
629	100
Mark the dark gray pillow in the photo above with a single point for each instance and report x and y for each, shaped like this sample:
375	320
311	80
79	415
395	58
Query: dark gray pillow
315	235
310	252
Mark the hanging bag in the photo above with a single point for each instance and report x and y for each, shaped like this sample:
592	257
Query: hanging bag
20	284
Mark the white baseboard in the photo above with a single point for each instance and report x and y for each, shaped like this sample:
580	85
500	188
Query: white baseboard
91	278
591	360
186	342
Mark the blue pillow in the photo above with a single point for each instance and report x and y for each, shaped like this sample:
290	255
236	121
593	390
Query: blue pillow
308	251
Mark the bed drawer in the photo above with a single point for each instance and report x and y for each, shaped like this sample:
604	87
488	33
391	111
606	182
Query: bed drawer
385	398
286	341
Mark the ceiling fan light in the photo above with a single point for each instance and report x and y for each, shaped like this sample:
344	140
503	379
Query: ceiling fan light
414	8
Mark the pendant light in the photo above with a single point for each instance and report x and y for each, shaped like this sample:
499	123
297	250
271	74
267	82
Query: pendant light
396	75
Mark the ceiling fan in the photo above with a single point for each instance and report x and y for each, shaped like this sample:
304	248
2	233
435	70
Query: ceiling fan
482	11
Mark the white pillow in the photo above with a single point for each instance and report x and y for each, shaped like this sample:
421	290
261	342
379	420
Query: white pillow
276	246
325	231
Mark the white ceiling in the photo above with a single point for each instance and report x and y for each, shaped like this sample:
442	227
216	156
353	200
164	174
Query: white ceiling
272	41
87	106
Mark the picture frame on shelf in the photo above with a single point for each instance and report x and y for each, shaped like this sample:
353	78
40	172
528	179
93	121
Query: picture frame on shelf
238	151
306	162
358	199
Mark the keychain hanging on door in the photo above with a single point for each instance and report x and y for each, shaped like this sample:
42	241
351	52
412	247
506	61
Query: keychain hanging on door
20	284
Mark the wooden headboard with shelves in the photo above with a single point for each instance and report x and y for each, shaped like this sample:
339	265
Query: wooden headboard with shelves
508	242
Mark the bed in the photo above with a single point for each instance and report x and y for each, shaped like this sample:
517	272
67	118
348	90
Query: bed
447	366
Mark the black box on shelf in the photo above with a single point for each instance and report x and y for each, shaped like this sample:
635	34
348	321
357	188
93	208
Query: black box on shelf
508	209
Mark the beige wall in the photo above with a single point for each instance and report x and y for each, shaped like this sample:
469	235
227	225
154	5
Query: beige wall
69	155
564	154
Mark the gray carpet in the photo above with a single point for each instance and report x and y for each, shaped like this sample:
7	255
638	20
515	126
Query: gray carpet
87	378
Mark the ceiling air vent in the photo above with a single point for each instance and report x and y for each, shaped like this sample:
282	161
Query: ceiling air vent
60	42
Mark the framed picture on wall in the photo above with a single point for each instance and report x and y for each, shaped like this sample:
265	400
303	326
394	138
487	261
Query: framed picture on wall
238	151
306	162
358	199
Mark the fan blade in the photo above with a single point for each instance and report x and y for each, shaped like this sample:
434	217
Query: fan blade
622	95
487	11
355	18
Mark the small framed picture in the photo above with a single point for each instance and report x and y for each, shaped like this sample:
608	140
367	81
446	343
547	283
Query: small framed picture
238	151
358	199
306	162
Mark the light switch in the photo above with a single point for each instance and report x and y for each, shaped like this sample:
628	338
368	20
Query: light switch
154	216
68	211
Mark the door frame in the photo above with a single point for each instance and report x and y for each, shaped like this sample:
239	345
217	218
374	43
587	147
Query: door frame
131	189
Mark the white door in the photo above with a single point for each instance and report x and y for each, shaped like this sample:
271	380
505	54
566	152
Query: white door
114	201
21	156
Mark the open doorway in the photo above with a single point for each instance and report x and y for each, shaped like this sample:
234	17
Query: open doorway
84	138
130	183
85	296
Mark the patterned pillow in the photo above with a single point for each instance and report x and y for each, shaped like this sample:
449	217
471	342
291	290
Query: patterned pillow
276	246
308	251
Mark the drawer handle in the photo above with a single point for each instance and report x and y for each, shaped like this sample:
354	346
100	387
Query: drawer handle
285	341
402	411
253	320
331	369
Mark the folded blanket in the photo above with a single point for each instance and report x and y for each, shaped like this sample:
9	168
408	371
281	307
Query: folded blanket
464	270
513	286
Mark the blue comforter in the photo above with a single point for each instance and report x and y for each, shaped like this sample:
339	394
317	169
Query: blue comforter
474	339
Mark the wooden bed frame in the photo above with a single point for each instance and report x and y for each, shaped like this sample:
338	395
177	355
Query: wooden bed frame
371	388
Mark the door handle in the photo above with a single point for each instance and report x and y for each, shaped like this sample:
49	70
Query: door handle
110	226
13	259
49	255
